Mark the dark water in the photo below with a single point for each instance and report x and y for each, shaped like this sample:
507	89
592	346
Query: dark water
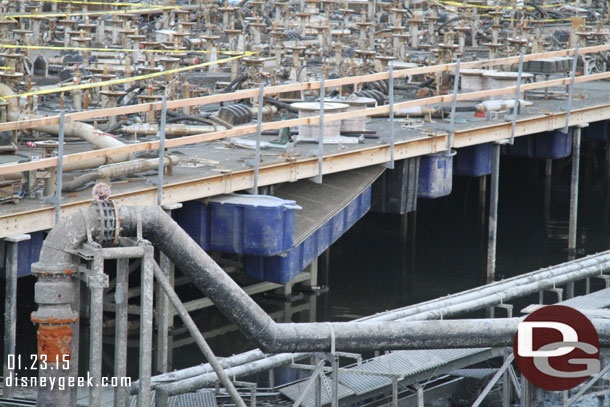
372	269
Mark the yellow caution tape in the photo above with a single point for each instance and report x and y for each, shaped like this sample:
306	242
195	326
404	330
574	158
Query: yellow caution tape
106	3
455	3
548	20
6	68
150	51
88	13
123	80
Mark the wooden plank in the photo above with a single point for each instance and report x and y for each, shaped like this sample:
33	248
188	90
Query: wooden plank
274	90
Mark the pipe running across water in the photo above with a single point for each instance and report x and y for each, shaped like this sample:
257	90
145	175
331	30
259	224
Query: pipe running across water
165	234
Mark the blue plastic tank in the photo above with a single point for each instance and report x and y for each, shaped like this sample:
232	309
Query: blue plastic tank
435	175
554	144
474	161
281	269
242	224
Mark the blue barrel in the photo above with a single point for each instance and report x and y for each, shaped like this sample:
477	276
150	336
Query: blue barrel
242	224
282	269
474	161
193	217
522	147
554	144
599	131
28	252
435	176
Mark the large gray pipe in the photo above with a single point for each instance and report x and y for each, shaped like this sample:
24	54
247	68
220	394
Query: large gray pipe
469	300
158	227
166	235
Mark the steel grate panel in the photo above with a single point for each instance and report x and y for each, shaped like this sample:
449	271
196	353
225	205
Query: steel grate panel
294	391
200	398
473	373
320	202
598	299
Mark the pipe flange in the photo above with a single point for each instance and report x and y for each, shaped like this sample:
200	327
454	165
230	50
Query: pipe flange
109	223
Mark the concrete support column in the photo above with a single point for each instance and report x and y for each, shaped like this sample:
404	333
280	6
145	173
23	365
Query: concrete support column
573	225
493	214
10	307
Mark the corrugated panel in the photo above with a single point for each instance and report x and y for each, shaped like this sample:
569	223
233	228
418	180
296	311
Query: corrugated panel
200	398
364	384
320	202
598	299
474	373
402	363
294	391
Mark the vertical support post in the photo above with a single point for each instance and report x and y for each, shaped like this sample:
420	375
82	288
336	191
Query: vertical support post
394	391
420	395
96	281
572	230
161	150
146	327
548	173
164	311
10	307
506	384
571	89
259	129
573	223
121	299
335	380
60	165
493	214
517	102
453	107
526	393
318	385
390	165
318	178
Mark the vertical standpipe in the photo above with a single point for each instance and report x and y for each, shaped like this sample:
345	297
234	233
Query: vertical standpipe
55	319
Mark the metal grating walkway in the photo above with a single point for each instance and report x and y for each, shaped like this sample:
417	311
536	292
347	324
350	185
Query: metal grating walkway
200	398
320	202
404	364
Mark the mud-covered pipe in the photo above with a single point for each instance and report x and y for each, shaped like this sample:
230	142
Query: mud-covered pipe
171	130
167	236
117	170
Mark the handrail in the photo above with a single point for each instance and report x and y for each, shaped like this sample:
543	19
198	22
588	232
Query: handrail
312	120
